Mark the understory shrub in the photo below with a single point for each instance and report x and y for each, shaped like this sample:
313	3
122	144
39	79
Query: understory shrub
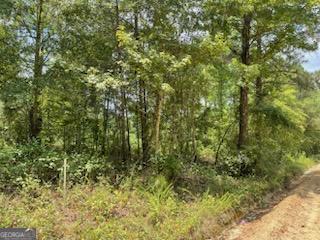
19	163
236	166
168	165
140	207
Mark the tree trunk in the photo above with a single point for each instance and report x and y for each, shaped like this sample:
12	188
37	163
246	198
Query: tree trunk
244	89
127	126
243	118
123	128
158	109
259	83
221	105
35	118
193	132
95	128
258	101
142	103
104	138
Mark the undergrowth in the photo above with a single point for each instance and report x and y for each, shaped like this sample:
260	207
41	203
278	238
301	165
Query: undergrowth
140	208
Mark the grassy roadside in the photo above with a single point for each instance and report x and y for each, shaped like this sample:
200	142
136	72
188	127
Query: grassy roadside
139	210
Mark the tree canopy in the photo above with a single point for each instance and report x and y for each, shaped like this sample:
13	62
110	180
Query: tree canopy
139	81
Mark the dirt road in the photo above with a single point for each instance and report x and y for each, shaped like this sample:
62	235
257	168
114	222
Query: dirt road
296	217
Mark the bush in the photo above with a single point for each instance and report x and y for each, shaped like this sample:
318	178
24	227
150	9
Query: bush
11	170
18	163
161	199
236	166
84	168
169	165
140	208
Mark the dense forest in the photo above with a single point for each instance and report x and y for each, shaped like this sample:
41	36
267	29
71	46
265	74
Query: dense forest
195	100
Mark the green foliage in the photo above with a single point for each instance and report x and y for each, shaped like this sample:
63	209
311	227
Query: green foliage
161	199
236	165
21	163
144	211
141	99
170	165
166	80
276	116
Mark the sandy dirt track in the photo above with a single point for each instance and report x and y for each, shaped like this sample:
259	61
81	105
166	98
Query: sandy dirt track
296	217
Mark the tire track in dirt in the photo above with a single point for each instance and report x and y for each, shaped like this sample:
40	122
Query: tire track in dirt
296	217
